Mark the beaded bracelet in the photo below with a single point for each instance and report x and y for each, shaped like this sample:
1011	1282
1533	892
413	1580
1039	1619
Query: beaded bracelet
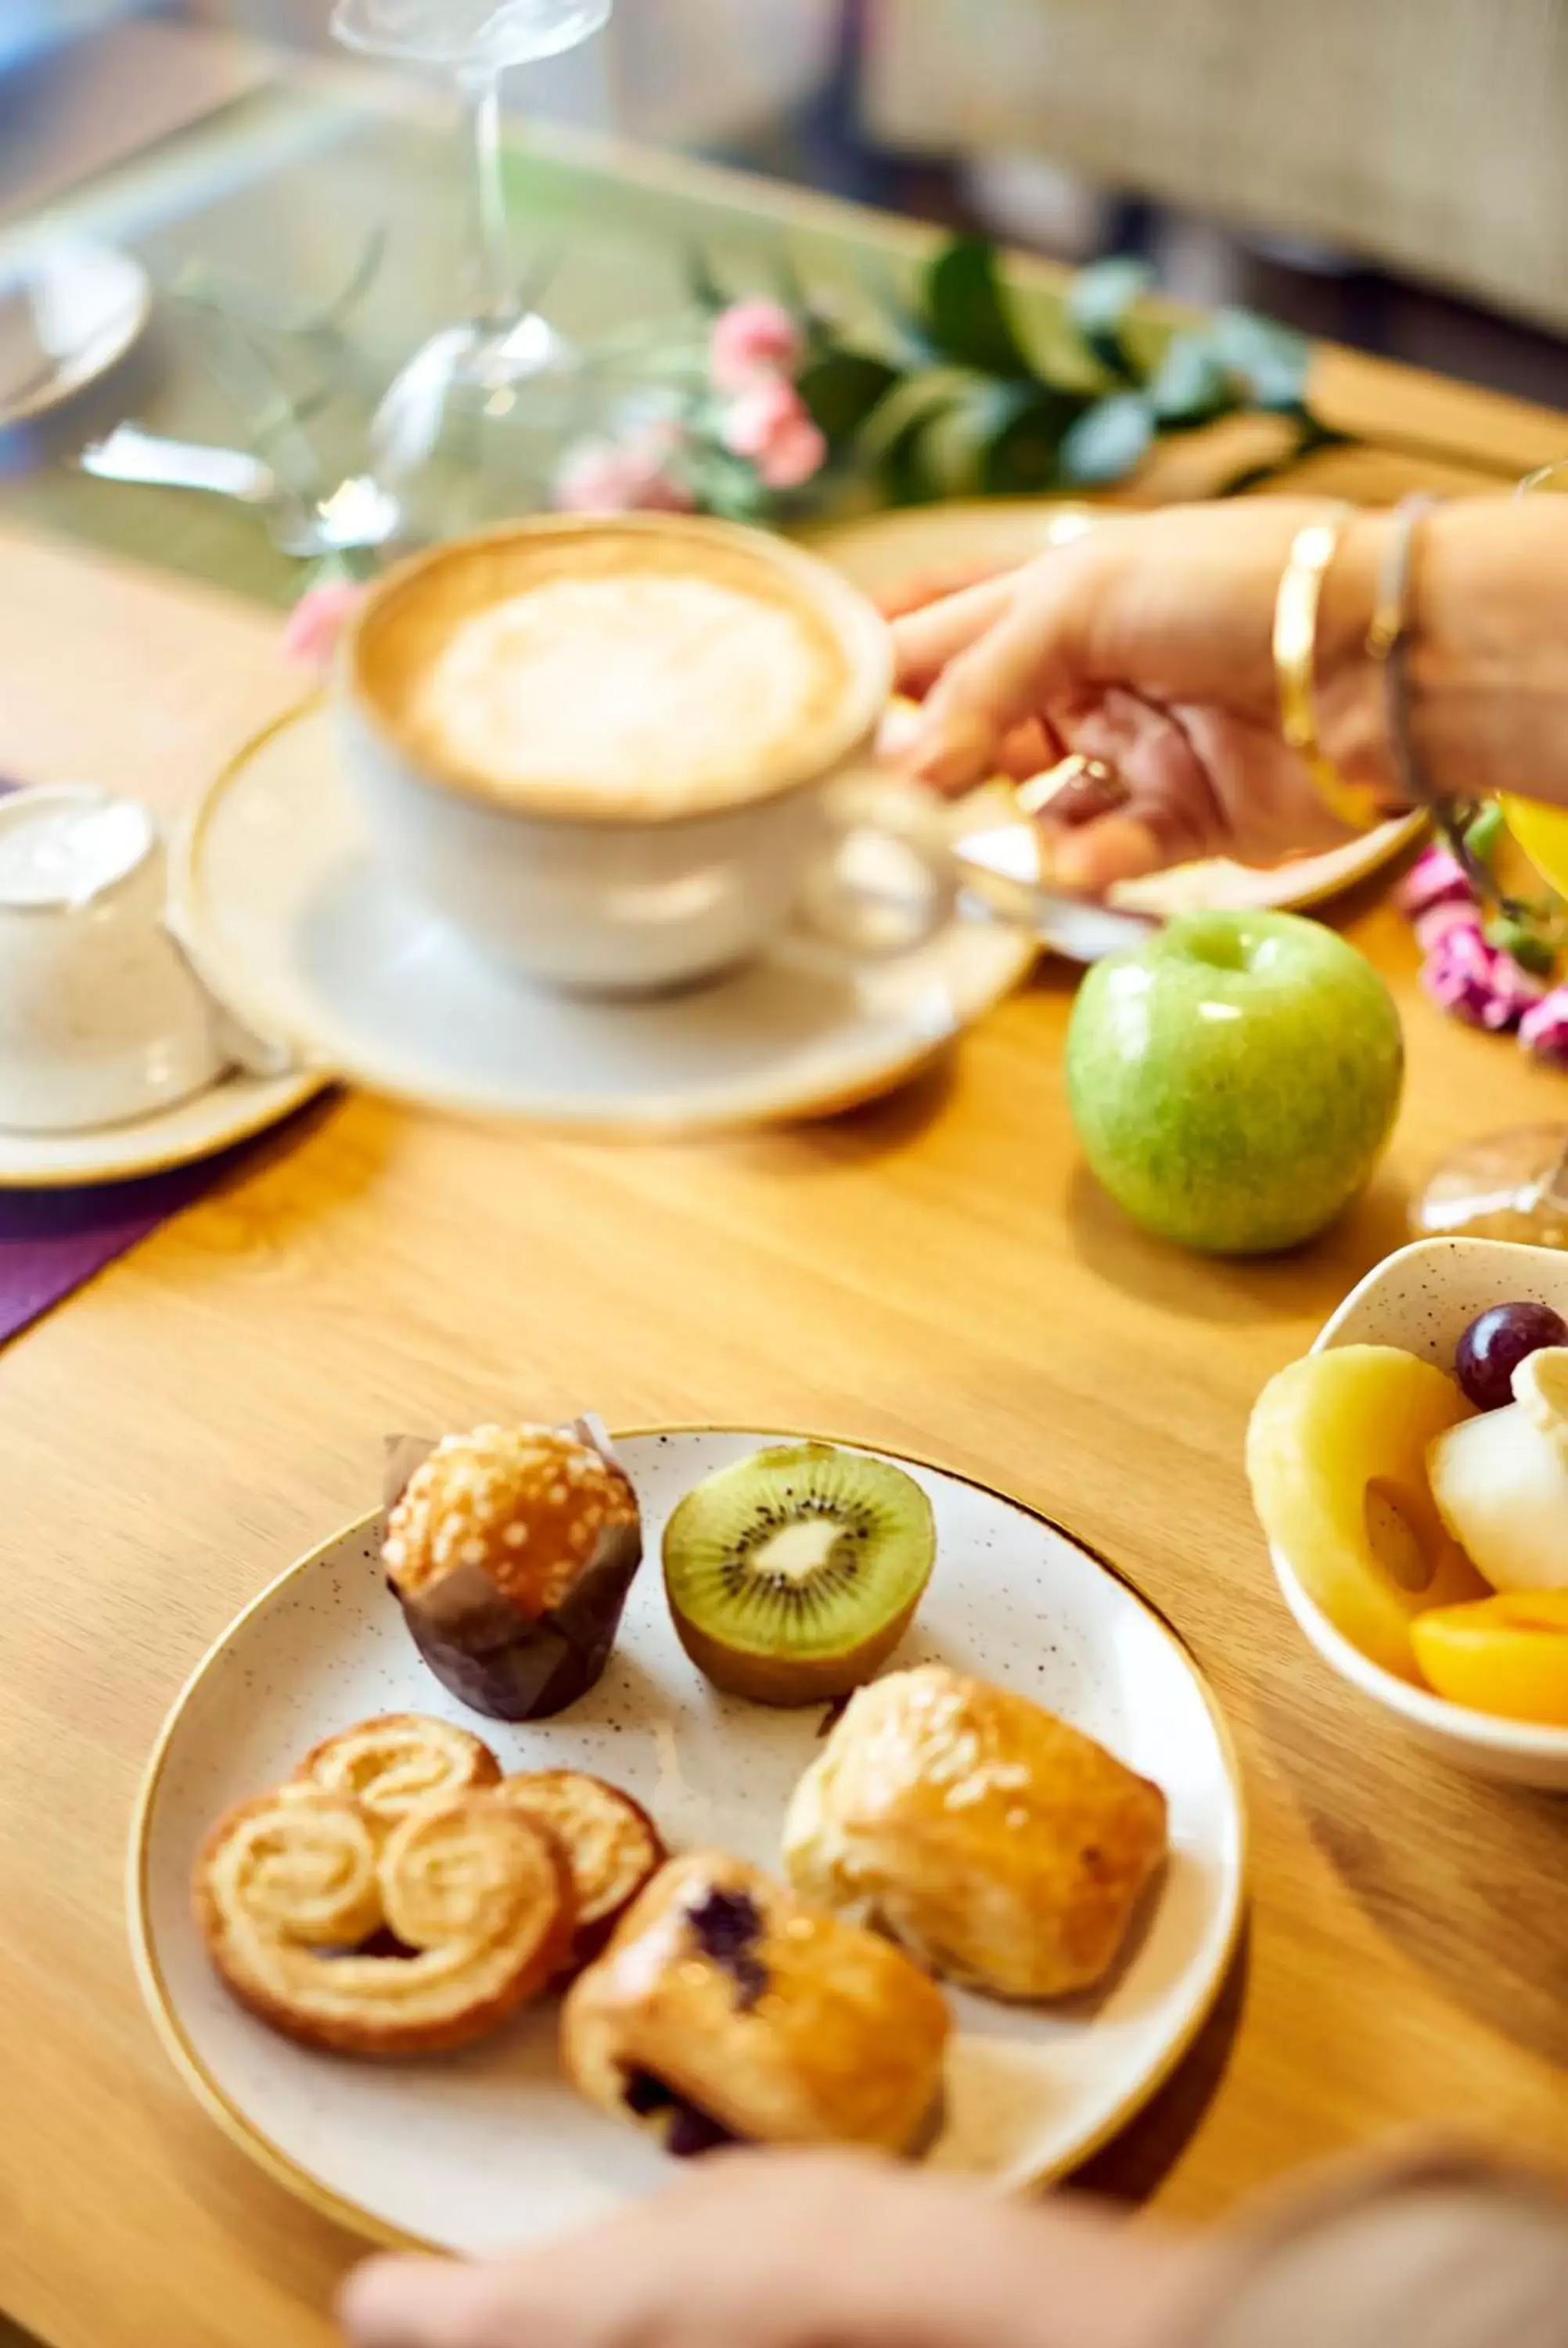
1388	644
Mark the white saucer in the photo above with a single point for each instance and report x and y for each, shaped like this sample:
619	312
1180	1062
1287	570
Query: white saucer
68	313
295	923
491	2148
210	1121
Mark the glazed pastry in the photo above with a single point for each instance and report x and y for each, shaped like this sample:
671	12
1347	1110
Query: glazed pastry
1003	1849
511	1551
726	2010
393	1763
476	1898
611	1845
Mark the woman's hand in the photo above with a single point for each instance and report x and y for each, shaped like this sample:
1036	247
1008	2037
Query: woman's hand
798	2251
1147	642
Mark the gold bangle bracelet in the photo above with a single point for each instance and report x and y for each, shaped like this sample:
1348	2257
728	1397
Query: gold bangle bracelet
1295	639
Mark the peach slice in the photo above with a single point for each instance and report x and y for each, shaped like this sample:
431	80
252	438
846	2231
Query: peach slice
1506	1655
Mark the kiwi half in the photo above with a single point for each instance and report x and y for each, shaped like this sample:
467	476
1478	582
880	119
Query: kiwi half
794	1574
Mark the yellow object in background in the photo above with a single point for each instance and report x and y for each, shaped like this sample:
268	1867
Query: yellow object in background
1506	1655
1543	833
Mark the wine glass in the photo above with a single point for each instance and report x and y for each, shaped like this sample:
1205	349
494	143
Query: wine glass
1512	1185
470	426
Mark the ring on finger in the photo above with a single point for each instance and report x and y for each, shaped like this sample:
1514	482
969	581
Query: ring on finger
1077	789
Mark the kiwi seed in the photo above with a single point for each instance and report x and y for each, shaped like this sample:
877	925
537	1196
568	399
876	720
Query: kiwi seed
794	1574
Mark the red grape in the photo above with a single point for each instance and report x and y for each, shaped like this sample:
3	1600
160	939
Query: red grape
1496	1343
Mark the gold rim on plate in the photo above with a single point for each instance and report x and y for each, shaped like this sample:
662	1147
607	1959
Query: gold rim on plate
242	2131
233	986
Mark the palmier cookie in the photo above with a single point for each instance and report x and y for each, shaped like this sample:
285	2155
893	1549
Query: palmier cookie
611	1845
398	1760
476	1896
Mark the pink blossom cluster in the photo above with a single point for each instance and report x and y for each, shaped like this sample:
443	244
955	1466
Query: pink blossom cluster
1467	976
753	356
755	350
311	631
632	475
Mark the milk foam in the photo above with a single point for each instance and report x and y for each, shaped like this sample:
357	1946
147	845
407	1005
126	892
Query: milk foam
662	688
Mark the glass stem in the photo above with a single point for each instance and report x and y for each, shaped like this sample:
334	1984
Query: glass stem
489	246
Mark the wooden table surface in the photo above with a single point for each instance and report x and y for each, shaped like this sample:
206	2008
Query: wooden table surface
935	1272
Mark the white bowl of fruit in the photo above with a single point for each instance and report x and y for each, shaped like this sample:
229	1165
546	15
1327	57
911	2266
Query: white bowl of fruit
1411	1474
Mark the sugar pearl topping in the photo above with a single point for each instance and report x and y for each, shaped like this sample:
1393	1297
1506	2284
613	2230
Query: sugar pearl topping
527	1505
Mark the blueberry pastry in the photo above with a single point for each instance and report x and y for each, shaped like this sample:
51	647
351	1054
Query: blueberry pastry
725	2010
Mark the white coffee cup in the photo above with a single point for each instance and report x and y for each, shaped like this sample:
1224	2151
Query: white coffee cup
633	875
101	1018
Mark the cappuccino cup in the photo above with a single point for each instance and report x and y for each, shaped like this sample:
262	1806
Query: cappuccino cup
622	756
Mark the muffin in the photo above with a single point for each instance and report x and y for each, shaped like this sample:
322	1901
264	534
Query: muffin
511	1551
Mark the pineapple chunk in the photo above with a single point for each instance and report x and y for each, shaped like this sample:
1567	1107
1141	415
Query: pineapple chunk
1336	1454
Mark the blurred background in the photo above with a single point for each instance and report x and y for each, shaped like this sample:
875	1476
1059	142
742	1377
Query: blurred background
1388	172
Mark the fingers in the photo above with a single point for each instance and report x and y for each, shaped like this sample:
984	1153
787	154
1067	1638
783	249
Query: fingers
924	642
1090	860
1169	811
424	2304
1010	673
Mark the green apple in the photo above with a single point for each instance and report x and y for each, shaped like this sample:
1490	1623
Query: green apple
1234	1081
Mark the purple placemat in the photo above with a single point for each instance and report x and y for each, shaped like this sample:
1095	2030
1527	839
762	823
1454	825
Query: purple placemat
51	1241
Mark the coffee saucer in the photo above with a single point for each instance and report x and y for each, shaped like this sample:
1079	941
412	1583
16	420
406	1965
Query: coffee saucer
214	1119
280	899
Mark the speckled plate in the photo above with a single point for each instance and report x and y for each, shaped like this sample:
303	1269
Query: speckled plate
475	2152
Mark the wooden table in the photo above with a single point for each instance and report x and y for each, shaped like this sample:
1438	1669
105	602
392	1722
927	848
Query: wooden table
935	1272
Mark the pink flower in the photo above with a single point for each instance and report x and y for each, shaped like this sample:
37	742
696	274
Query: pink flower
319	618
1436	878
1477	982
770	424
622	476
752	338
1448	913
1543	1029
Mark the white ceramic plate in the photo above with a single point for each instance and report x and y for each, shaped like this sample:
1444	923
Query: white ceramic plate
478	2151
936	545
1423	1298
68	314
225	1113
280	899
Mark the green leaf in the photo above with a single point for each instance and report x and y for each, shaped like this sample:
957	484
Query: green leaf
1099	301
903	331
1026	424
1523	945
1272	361
728	487
1189	386
1485	832
965	311
1109	440
907	465
703	287
842	388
